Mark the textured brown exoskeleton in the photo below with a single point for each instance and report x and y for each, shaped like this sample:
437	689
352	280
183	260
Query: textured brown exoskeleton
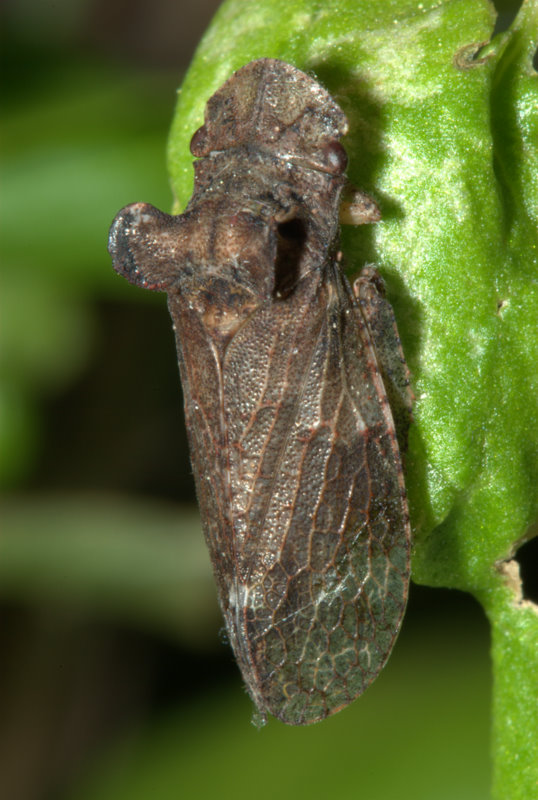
292	440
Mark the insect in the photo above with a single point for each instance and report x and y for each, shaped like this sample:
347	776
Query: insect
292	440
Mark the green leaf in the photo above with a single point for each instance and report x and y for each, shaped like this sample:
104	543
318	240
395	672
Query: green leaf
444	133
457	256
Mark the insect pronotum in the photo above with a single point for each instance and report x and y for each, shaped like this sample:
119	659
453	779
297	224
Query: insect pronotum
292	439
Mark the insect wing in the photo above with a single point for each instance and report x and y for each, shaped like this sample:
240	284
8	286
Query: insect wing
321	535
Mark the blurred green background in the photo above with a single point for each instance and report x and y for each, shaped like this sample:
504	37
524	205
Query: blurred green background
115	679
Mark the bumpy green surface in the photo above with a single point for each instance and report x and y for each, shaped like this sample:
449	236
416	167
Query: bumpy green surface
445	135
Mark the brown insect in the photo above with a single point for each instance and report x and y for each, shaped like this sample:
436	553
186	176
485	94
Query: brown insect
292	439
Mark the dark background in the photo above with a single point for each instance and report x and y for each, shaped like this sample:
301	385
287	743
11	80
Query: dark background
110	653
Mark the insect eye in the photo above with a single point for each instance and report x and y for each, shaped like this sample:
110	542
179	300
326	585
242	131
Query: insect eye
291	237
199	142
335	158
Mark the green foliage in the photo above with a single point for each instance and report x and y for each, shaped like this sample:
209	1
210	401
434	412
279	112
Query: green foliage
139	563
68	165
403	739
446	138
444	132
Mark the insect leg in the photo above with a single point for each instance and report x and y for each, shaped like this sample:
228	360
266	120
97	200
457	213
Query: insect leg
357	208
369	290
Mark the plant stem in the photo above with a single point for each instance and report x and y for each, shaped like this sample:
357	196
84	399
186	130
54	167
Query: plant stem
514	625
